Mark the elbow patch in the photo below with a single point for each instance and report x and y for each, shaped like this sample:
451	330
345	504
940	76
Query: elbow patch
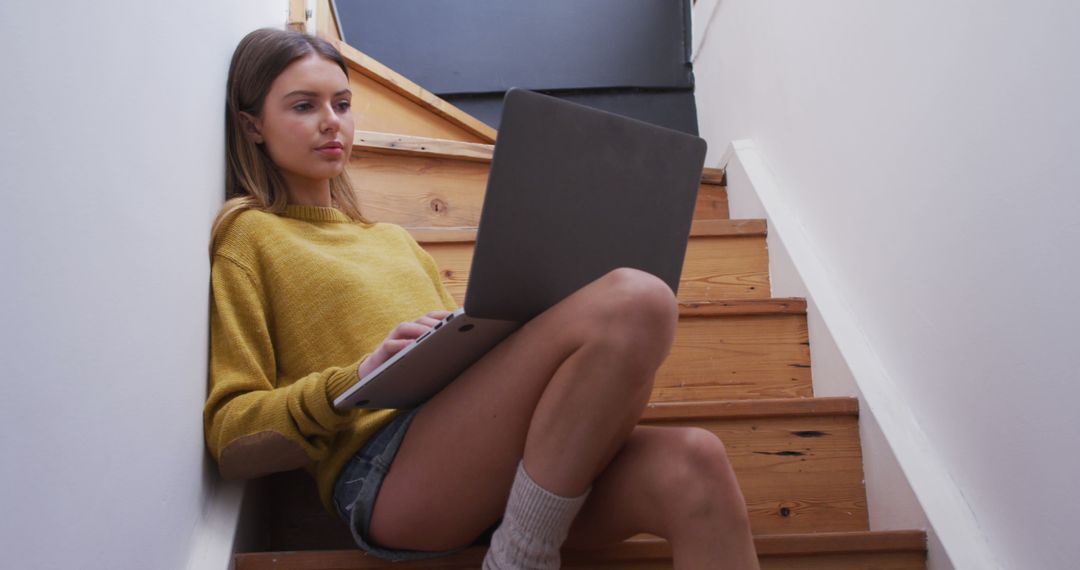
260	454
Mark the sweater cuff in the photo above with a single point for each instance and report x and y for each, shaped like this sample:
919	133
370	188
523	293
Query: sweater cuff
343	379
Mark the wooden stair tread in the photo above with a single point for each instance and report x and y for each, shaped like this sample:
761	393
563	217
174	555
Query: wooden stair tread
379	142
798	460
407	145
740	409
724	259
737	349
638	550
860	541
698	228
717	176
732	307
417	181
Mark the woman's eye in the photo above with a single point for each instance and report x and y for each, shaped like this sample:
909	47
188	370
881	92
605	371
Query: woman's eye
344	105
302	107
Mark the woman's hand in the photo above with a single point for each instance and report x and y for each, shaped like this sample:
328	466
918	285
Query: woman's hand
399	338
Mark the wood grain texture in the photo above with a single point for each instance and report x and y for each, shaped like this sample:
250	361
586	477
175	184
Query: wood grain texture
725	268
860	542
797	474
377	107
885	561
892	550
734	356
714	176
698	229
733	307
725	228
419	191
427	182
326	24
364	65
712	203
751	409
403	145
732	266
297	15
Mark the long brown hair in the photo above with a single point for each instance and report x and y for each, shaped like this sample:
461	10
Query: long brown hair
252	180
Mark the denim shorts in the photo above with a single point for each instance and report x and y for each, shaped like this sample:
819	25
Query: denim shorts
358	485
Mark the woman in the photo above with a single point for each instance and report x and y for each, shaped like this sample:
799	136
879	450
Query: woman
308	296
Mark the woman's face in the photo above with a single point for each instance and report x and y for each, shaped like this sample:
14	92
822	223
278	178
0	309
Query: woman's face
306	122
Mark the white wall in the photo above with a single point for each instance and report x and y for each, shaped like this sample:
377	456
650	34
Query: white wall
111	154
890	500
924	151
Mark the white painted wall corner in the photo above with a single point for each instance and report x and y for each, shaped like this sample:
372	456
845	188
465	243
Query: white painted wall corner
896	451
214	538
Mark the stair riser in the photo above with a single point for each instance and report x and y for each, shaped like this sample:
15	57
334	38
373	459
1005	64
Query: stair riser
728	267
891	550
737	357
388	111
415	191
356	561
887	561
797	474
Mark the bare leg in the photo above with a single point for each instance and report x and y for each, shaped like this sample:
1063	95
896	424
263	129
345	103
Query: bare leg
564	392
588	361
675	483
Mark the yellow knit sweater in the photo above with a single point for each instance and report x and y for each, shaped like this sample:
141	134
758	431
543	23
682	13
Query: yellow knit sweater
297	302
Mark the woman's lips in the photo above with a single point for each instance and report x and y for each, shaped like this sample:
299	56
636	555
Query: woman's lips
333	148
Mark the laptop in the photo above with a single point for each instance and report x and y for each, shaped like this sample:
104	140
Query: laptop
572	194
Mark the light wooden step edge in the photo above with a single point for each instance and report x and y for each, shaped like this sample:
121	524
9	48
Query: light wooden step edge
857	542
327	23
768	546
407	145
698	228
657	412
742	307
376	71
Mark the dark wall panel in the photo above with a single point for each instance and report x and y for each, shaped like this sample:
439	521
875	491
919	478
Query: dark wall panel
488	46
671	109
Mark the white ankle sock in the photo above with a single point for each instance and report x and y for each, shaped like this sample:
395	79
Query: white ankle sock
534	527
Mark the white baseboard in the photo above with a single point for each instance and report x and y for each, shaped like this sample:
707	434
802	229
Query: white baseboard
214	539
907	485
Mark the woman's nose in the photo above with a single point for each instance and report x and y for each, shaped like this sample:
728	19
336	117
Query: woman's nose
330	119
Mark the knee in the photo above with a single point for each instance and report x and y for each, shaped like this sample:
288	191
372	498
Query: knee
701	483
637	304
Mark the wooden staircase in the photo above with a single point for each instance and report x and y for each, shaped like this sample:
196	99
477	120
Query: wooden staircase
740	366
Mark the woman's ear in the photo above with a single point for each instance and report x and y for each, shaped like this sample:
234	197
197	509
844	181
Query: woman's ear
252	127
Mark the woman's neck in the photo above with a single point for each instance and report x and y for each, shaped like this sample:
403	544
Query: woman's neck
310	193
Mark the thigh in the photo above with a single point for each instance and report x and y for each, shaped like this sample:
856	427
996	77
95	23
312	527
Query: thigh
452	475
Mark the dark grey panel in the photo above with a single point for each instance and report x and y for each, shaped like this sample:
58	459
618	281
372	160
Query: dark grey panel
574	193
671	109
482	46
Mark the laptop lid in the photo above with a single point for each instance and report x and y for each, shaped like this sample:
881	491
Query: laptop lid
573	193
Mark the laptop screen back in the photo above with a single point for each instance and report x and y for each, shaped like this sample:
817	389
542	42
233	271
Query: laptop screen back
573	193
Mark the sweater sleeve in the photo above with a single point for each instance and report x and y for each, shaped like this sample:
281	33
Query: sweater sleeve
254	427
432	270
